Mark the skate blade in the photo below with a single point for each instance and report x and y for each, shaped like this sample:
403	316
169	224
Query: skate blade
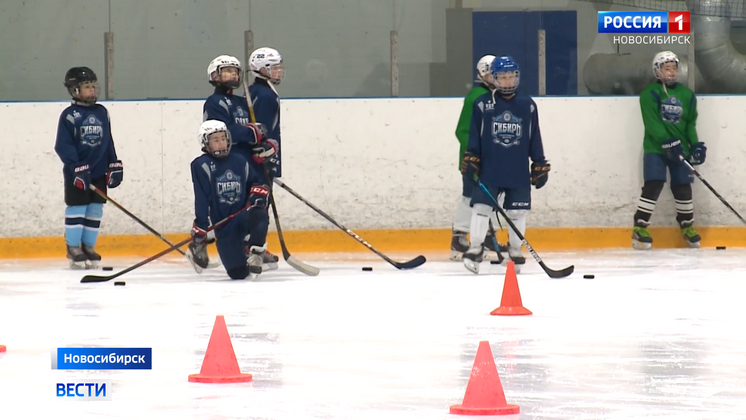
472	266
269	266
641	245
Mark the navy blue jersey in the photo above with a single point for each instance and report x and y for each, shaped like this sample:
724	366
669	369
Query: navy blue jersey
233	110
504	134
221	187
266	104
84	138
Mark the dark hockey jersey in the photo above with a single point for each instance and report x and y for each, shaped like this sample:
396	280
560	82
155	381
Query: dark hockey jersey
505	134
233	110
221	187
84	137
266	104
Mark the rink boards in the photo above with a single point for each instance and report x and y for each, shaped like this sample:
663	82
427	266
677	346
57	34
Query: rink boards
385	168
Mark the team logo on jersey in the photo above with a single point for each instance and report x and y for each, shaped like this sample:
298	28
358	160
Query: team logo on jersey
76	115
241	116
229	187
671	110
91	131
507	129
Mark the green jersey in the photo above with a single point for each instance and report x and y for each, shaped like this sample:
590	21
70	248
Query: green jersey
668	113
464	121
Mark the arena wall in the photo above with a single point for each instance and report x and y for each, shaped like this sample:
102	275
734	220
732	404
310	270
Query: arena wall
383	167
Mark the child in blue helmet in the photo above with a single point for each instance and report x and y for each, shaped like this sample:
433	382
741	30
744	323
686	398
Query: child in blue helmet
504	135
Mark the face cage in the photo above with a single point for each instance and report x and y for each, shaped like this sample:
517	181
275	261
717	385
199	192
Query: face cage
217	155
659	73
74	91
231	84
507	90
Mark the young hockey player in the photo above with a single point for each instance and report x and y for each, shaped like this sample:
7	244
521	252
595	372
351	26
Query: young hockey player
669	113
266	65
462	217
504	134
250	140
223	185
86	148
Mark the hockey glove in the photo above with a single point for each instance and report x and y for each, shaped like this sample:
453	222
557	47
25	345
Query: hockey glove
470	165
198	247
82	176
258	196
259	131
699	153
264	150
672	148
115	174
540	173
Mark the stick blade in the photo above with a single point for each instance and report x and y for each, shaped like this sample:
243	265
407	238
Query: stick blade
413	263
95	279
304	268
558	274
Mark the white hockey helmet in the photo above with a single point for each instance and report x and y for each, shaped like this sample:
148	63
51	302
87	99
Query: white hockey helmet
209	128
269	59
219	63
662	58
483	68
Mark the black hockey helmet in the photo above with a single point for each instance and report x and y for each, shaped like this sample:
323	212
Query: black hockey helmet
77	76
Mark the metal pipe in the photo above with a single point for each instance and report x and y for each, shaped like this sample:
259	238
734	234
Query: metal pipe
626	74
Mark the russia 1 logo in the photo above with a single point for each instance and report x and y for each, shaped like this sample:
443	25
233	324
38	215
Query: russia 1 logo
679	23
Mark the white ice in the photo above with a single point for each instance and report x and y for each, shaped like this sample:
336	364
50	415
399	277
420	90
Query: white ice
656	335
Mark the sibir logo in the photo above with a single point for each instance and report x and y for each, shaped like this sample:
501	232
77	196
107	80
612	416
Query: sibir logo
644	22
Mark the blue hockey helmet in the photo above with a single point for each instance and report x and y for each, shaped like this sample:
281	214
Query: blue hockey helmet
506	67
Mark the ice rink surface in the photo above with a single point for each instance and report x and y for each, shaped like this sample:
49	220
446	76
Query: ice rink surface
656	335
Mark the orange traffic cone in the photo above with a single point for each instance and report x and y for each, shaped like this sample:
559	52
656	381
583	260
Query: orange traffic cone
484	392
511	303
220	364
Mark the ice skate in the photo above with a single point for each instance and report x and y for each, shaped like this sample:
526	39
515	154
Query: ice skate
517	257
459	245
472	258
691	236
93	259
254	262
641	238
269	261
77	257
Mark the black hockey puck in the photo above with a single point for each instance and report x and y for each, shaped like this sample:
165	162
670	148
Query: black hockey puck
495	262
107	268
119	283
367	268
589	276
720	248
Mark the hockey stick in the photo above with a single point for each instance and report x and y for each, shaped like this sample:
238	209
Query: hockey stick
297	264
416	262
707	184
551	273
291	260
101	279
197	268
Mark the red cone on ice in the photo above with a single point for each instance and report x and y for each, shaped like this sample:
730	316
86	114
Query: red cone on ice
484	392
220	364
511	303
2	348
